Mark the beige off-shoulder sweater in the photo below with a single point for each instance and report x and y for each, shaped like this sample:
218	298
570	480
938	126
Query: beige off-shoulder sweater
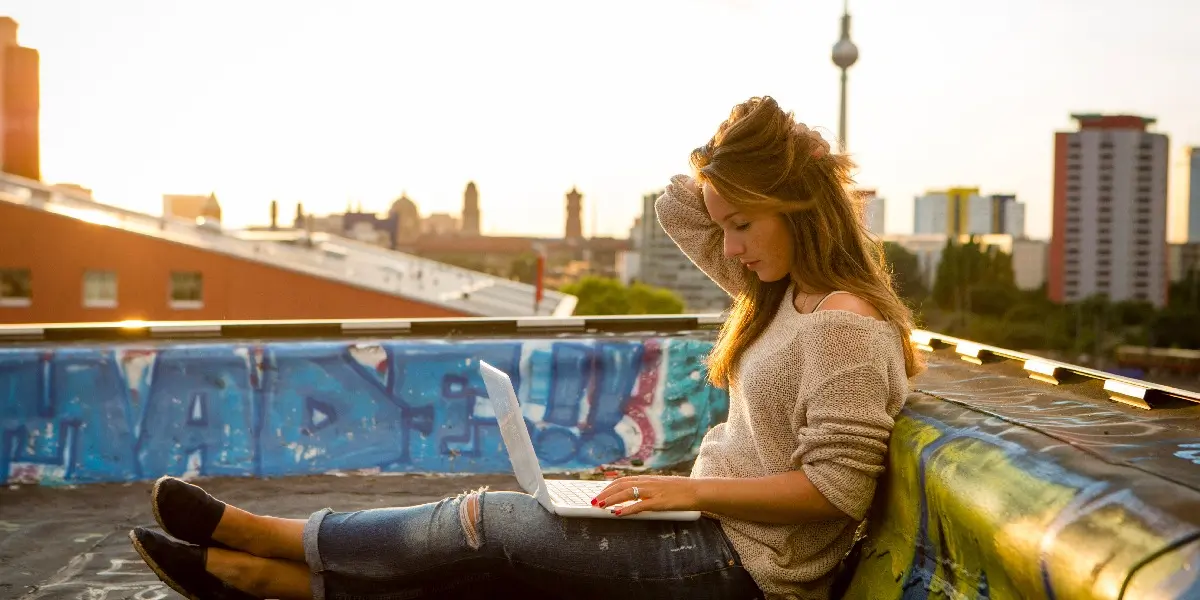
817	391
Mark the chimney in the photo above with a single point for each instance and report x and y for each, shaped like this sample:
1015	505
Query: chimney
274	215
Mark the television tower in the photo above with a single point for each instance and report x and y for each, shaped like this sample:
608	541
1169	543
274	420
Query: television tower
845	54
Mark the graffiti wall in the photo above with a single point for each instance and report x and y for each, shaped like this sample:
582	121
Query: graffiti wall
120	413
998	487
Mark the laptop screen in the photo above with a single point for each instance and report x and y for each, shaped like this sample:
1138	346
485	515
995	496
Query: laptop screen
512	428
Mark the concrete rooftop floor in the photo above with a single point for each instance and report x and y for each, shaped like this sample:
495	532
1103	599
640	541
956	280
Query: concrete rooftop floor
71	542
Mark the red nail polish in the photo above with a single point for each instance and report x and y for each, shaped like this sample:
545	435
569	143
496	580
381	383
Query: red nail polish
593	501
601	505
618	512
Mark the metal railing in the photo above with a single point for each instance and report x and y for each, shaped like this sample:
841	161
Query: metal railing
1135	392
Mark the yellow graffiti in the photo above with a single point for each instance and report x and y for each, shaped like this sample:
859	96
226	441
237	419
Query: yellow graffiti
995	512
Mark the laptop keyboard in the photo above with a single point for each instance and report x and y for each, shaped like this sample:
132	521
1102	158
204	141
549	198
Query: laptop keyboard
570	492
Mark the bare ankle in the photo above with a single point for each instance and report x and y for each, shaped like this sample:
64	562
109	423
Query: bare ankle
260	577
266	537
241	530
237	569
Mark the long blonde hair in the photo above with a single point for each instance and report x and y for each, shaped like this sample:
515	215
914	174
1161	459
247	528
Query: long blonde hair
761	160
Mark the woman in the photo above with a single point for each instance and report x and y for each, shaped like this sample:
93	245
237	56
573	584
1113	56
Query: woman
814	354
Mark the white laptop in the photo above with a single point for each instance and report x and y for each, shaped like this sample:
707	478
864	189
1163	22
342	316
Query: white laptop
564	497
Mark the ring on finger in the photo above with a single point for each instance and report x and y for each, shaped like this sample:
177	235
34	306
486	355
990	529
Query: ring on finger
636	495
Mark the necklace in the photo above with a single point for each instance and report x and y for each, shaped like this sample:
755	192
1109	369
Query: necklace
804	302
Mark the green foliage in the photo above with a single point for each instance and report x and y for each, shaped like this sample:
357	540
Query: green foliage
1185	294
604	296
1176	328
906	273
524	268
972	279
975	297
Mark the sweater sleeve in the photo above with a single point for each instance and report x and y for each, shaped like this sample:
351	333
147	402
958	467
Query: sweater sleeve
685	219
842	419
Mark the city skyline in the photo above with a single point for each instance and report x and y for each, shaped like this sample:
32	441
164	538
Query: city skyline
328	108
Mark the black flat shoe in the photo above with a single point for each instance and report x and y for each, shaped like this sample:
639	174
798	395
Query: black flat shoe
186	512
181	566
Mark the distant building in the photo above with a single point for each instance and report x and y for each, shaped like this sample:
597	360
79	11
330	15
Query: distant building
663	264
1028	256
1110	211
629	264
930	216
470	211
574	228
497	254
439	237
969	213
20	105
407	219
874	210
1193	231
122	265
957	211
334	223
192	208
396	230
440	224
1029	260
367	227
1007	215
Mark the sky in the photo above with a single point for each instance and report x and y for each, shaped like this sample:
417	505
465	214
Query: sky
358	101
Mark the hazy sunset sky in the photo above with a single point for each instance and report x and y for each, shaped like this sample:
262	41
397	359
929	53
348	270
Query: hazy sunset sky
359	100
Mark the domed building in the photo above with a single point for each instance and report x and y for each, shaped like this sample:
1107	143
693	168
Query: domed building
408	227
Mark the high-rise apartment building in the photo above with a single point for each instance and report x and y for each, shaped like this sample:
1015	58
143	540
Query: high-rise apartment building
929	214
968	212
874	210
1007	215
963	211
663	264
1110	211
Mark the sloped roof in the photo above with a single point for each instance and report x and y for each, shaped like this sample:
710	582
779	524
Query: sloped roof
329	257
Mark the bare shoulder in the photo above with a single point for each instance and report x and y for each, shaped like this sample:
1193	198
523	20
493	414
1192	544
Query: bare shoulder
851	303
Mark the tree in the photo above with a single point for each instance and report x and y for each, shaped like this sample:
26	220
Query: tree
524	268
906	273
971	279
604	296
649	300
1185	293
1175	327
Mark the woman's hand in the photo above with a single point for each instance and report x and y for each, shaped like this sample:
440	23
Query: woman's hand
654	493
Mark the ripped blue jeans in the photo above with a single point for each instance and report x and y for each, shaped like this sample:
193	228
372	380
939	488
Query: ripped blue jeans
497	544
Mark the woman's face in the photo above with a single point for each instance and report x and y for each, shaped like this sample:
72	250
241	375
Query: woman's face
762	241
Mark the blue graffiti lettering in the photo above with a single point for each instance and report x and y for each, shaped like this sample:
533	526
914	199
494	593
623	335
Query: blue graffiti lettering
96	413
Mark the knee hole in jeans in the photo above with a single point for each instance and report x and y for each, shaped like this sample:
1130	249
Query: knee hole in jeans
470	515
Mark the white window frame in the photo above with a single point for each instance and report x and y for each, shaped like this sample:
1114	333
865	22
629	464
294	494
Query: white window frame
18	301
184	304
93	279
